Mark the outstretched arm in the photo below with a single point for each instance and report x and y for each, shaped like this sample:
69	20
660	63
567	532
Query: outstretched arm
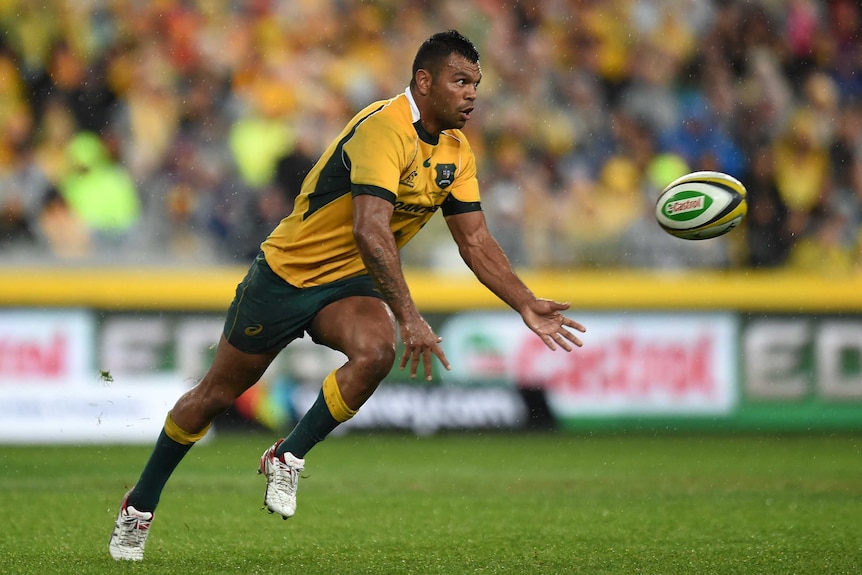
376	244
483	255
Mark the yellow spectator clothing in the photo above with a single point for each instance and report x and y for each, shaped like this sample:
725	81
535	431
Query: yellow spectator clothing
822	258
802	164
383	151
800	177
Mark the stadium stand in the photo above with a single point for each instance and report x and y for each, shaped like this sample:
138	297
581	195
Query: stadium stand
210	112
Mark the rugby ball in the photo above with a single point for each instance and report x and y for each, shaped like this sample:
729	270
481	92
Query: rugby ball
701	205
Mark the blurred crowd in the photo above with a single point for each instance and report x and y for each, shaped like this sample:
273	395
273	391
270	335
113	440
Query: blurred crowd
179	131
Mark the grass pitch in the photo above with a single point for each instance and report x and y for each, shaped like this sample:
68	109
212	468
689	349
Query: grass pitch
455	504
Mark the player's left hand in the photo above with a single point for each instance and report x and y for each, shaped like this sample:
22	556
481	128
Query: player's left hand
544	318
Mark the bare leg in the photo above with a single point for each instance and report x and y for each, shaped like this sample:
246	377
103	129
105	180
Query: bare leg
231	373
363	328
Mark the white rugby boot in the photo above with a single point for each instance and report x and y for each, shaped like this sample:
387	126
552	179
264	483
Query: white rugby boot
130	533
282	479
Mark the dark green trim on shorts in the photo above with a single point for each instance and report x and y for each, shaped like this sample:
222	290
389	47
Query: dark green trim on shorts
267	313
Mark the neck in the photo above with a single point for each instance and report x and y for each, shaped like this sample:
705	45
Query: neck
423	119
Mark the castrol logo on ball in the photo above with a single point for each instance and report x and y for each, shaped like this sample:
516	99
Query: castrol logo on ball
686	205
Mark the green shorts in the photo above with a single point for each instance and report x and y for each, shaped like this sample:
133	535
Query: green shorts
268	313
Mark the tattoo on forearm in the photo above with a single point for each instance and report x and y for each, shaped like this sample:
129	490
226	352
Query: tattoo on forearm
381	274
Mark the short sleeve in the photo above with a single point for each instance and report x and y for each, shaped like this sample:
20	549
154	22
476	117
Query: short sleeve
375	155
465	188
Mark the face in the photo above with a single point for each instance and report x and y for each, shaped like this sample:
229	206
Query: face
452	93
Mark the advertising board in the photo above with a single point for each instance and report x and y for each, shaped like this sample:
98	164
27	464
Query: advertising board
84	375
54	388
642	364
42	347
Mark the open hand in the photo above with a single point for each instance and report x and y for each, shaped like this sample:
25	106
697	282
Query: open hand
544	318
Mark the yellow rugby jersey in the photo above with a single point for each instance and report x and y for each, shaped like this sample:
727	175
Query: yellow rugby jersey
382	151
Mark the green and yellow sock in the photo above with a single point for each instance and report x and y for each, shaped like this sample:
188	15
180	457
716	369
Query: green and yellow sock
171	446
328	412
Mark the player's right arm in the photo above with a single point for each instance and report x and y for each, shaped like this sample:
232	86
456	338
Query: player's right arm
377	153
376	244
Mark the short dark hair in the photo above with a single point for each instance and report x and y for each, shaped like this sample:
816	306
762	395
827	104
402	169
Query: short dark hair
435	50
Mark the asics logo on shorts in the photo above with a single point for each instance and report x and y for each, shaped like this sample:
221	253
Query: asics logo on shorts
253	330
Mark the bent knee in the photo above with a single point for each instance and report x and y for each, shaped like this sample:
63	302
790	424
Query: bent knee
212	397
375	361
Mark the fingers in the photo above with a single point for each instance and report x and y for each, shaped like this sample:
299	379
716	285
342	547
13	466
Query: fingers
562	342
573	324
560	336
563	339
441	356
414	362
413	354
573	338
549	341
426	360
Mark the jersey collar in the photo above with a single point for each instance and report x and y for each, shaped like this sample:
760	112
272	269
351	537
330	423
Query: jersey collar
414	109
417	123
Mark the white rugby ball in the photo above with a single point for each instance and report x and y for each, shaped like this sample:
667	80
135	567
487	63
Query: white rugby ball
701	205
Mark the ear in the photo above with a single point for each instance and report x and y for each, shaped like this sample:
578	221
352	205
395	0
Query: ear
423	81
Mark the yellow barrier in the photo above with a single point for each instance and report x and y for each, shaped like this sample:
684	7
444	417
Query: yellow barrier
212	289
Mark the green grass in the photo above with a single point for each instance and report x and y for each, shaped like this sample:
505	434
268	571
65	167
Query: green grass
455	504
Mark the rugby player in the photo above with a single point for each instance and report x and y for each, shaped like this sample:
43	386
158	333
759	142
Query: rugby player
332	269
